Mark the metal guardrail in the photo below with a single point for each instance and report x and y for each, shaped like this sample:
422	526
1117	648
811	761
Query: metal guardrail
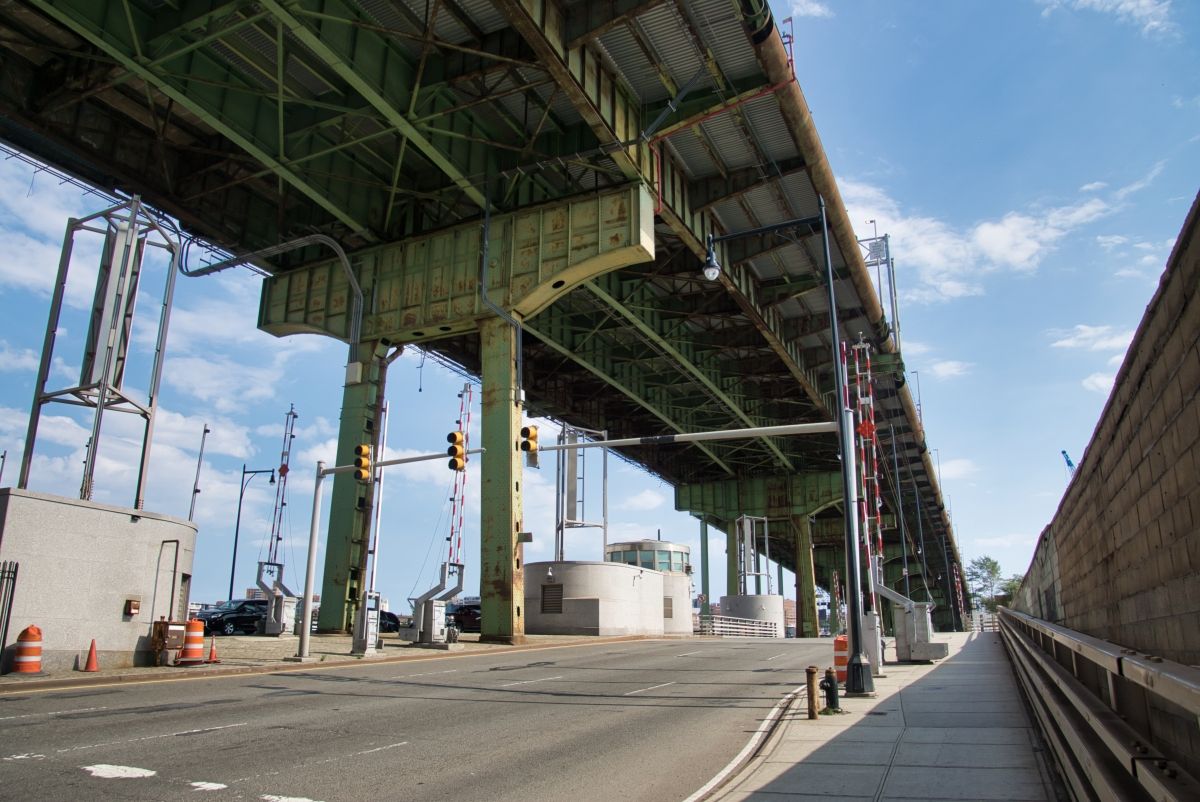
727	626
1122	725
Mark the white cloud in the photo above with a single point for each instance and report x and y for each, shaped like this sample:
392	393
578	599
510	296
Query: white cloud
1110	241
948	368
951	263
1181	102
958	468
1115	360
1098	382
1143	182
810	8
646	500
1092	338
1152	16
14	360
1095	186
915	348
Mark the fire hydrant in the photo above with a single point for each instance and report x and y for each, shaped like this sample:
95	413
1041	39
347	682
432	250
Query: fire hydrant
830	686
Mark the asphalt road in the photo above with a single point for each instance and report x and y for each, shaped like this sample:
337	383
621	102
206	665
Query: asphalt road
637	720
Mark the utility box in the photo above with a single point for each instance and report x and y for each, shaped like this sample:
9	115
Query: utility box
914	636
281	612
433	622
872	642
166	639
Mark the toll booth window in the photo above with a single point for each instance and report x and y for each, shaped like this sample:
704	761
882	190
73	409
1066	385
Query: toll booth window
677	561
664	560
647	559
631	558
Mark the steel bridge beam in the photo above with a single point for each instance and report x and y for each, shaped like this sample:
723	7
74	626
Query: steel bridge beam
349	63
427	288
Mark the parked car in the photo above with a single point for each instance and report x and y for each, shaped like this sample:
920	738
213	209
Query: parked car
389	621
232	617
465	617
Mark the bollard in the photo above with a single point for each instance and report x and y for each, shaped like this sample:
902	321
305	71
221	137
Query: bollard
28	659
830	686
811	671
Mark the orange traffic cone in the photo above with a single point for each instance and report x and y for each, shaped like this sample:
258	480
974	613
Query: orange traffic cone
212	651
92	664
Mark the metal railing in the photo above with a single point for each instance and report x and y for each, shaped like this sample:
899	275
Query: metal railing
8	585
727	626
1122	725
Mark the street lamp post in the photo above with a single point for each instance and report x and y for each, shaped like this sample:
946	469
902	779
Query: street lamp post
246	477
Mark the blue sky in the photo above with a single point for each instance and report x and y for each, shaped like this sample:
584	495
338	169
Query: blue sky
1032	161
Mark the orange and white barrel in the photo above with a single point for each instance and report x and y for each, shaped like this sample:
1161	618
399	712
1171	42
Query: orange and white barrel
193	643
28	656
841	657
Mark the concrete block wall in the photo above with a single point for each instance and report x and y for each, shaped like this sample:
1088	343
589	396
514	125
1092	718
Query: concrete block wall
1121	559
79	563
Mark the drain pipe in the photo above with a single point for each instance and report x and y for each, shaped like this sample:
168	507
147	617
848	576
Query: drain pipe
519	391
292	245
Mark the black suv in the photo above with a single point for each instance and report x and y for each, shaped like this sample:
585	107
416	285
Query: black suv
232	617
465	617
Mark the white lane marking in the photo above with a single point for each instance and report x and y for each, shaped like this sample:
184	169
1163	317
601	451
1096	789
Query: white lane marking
687	654
528	681
748	749
381	748
53	713
26	756
151	737
778	655
426	674
652	687
273	798
203	786
110	772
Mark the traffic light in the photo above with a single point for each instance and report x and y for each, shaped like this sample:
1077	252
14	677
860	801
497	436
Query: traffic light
529	445
529	439
457	451
362	463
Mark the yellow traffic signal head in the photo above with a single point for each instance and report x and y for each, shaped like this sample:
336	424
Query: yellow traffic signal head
529	438
362	462
457	451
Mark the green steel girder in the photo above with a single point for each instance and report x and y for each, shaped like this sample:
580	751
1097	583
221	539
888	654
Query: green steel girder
769	321
699	106
629	387
427	287
369	65
784	496
650	326
611	112
708	192
592	19
118	35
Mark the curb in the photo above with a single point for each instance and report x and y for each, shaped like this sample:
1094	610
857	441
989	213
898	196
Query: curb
12	684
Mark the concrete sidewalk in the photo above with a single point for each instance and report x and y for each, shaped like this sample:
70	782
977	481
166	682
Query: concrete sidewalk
954	730
251	654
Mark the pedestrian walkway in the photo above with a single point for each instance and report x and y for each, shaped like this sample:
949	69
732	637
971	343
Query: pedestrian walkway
954	730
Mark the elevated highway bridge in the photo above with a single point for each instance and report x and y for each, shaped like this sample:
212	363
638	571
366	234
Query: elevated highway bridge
527	189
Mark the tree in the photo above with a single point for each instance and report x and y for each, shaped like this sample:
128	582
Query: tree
1010	586
983	574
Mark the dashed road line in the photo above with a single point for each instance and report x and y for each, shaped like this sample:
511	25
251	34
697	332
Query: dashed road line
529	681
651	688
53	713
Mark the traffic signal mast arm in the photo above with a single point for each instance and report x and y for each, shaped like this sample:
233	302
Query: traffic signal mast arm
389	462
694	437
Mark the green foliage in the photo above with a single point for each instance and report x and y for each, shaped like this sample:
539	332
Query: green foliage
983	575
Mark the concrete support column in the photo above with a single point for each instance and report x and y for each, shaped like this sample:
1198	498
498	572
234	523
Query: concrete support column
807	623
352	501
501	576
